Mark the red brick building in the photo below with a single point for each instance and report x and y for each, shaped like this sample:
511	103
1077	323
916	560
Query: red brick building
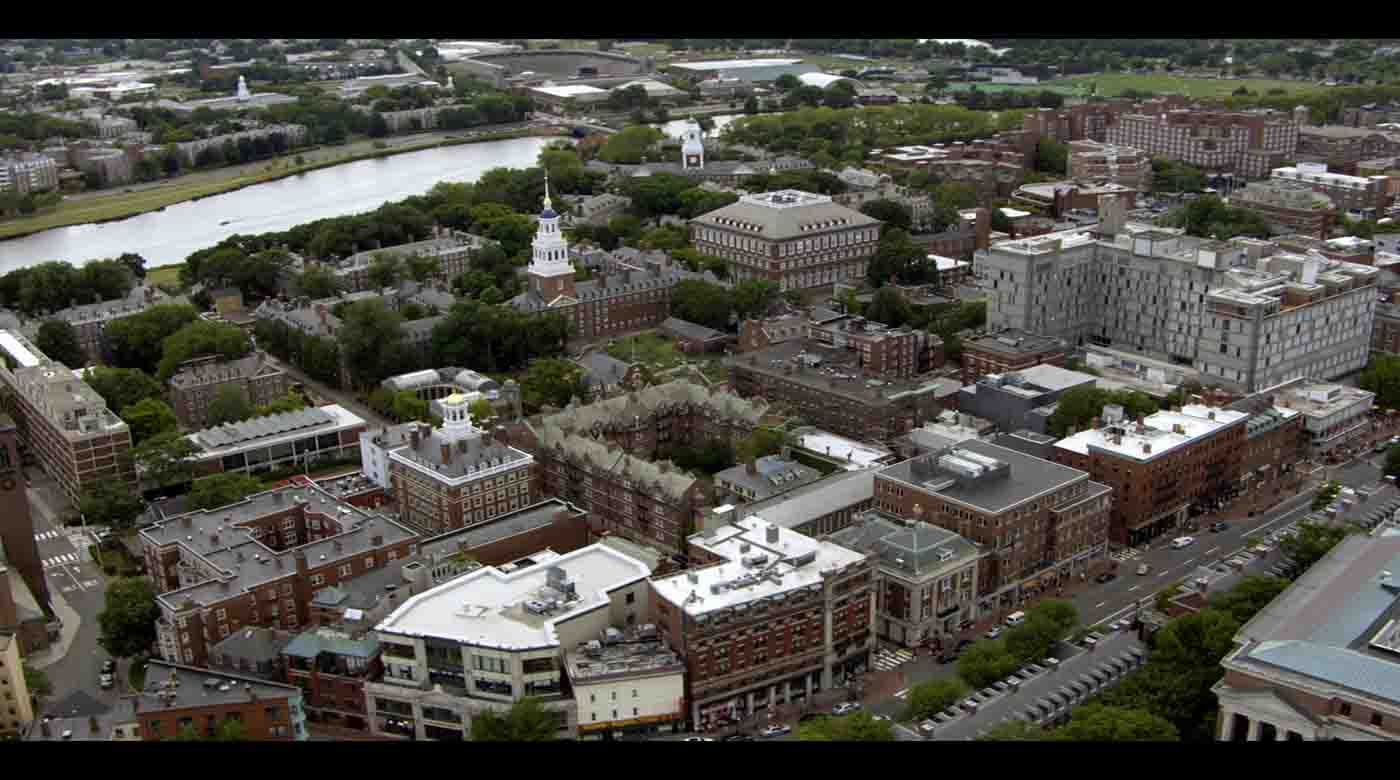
1009	351
181	699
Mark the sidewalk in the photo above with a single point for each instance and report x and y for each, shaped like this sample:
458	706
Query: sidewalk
71	622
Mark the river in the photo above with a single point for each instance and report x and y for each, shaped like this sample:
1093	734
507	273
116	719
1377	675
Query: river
171	235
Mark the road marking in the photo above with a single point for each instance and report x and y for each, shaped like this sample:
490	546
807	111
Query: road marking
1211	550
1188	563
1100	604
901	694
1135	587
1162	573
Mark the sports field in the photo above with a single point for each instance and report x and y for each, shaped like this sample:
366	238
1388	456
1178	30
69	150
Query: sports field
1113	84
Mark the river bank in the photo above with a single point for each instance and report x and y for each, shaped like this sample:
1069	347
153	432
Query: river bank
118	206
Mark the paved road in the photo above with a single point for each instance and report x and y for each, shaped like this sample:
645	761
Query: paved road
342	397
80	582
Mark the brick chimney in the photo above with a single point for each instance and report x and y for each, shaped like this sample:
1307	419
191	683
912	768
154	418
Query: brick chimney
376	541
446	453
300	557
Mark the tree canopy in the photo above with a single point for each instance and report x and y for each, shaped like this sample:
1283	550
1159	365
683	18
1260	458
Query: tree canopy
199	339
931	698
121	387
127	622
59	341
230	404
136	341
149	417
218	490
526	721
552	381
856	727
702	303
1382	377
1078	406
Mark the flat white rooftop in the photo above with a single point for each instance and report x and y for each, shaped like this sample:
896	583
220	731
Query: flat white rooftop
947	263
856	455
1054	378
571	90
1163	432
486	608
765	569
18	351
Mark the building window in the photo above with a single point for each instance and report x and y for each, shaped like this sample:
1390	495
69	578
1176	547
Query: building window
345	570
1377	719
1344	709
631	599
317	579
369	562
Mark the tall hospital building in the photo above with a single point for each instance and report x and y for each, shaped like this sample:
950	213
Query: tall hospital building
1244	313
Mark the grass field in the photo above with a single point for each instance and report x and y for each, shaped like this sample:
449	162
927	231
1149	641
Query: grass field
164	274
1111	85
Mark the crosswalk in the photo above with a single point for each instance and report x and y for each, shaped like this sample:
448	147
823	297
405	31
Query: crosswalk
47	535
885	659
66	559
1125	555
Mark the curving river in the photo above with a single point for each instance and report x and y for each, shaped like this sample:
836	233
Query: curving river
169	236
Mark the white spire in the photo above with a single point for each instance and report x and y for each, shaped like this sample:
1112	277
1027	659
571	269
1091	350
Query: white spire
548	206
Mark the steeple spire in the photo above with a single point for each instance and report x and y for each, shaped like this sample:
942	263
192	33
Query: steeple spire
548	206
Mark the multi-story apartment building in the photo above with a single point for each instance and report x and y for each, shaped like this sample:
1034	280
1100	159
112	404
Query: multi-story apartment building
1341	148
28	173
18	545
622	299
1242	313
1040	522
1076	123
452	249
926	577
816	509
68	426
90	320
794	238
1122	165
629	684
1353	193
180	699
457	475
1274	438
485	640
292	135
1007	352
768	615
258	563
1288	206
1161	466
321	434
1249	144
765	477
331	667
196	384
878	349
1319	663
16	708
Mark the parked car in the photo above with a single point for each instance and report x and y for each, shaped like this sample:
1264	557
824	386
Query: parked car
994	633
106	681
1143	569
738	738
1182	542
845	708
777	730
699	739
109	666
1107	576
1216	528
885	718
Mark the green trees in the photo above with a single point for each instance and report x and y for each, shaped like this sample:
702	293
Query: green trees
421	268
161	459
218	490
369	338
496	338
856	727
1015	731
111	503
526	721
986	662
1100	723
127	622
136	341
752	297
552	381
1311	542
229	404
888	306
1052	157
59	340
1078	407
1392	460
121	387
49	287
899	259
198	339
933	697
481	410
630	145
1170	176
149	417
1250	595
317	281
762	442
385	270
1209	217
1382	377
702	303
892	213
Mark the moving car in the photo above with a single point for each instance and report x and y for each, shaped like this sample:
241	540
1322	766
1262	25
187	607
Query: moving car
1015	618
1182	542
109	666
1143	569
777	730
994	633
845	708
106	681
699	739
1216	528
1107	576
885	718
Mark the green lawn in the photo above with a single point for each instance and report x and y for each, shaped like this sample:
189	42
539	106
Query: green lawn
653	349
164	274
1113	84
1036	88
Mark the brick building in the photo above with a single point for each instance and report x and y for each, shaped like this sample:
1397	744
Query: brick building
1331	415
1288	206
198	382
1340	148
1160	467
457	475
65	423
600	457
179	699
767	616
1319	663
1123	165
258	563
452	249
1249	144
1007	352
1040	522
796	239
1353	193
27	173
90	320
623	298
927	577
552	524
331	667
1076	123
17	538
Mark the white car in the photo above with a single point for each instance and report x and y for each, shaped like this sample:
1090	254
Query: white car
1181	542
994	633
777	731
699	739
845	708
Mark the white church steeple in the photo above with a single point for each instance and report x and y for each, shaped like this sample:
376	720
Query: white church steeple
551	274
692	146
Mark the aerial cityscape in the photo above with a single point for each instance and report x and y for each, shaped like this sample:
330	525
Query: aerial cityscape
699	390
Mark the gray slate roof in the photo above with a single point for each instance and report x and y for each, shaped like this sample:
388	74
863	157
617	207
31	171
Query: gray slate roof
811	215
